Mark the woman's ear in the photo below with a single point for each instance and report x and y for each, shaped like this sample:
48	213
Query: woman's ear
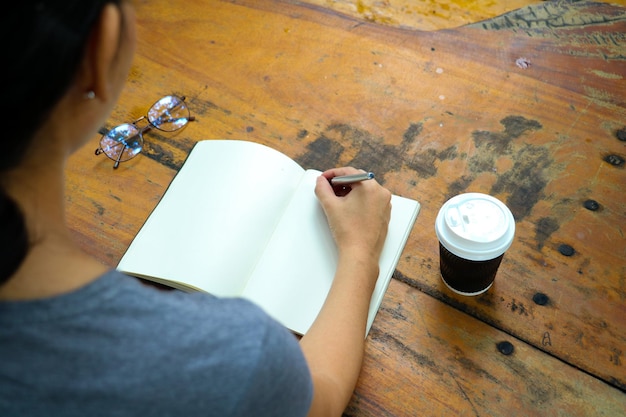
99	71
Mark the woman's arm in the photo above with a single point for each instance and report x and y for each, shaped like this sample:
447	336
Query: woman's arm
333	347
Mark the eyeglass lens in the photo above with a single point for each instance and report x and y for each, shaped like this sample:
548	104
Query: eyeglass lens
122	142
169	114
125	141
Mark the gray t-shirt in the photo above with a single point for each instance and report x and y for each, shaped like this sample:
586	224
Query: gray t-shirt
117	347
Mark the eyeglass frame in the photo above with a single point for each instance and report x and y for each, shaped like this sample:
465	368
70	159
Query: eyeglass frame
141	130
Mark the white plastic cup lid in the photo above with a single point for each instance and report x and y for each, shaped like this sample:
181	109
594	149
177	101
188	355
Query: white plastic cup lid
475	226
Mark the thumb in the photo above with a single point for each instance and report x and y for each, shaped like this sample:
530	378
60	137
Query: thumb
323	190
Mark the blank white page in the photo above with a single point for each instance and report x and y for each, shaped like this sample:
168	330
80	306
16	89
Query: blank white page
216	217
293	277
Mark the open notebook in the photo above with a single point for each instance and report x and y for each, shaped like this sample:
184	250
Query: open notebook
242	219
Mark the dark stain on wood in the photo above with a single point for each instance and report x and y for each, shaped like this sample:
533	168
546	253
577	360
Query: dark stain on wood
362	402
412	132
499	143
416	357
163	155
199	106
390	158
525	181
100	209
170	149
323	153
486	299
372	153
425	163
474	368
518	307
544	228
302	134
459	185
397	312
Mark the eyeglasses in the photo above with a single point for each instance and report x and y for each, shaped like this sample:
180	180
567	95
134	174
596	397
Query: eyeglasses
126	140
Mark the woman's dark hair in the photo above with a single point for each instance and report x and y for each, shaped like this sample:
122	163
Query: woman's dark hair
43	45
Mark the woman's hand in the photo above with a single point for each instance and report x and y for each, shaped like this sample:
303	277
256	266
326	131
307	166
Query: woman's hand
358	216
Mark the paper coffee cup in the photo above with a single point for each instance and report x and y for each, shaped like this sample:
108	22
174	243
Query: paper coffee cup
474	232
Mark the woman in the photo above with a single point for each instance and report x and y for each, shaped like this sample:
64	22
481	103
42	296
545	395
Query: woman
79	339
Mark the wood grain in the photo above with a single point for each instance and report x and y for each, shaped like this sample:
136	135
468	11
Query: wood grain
427	15
433	114
426	358
424	14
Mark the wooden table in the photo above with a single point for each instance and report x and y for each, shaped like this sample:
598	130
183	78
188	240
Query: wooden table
529	107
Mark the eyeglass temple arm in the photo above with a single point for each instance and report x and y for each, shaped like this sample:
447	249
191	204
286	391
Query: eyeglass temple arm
119	157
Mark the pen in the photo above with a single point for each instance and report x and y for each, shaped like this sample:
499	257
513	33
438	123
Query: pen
350	179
